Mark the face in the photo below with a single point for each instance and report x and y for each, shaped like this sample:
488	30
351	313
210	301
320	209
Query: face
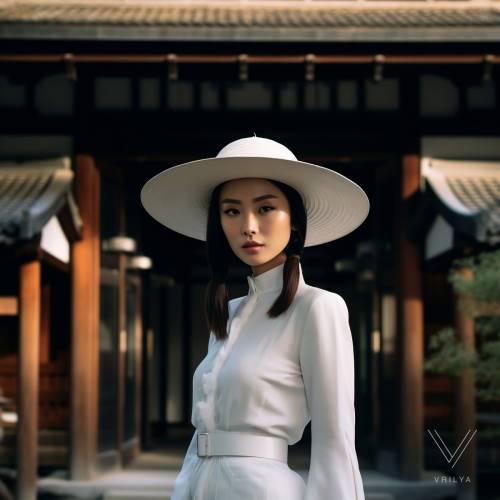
255	217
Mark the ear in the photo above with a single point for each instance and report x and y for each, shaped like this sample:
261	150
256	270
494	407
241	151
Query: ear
293	228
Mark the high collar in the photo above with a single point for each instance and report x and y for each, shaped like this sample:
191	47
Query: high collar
270	280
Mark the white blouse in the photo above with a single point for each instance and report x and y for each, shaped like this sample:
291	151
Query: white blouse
271	377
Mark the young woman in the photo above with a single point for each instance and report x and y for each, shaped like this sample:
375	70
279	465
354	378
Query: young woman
282	355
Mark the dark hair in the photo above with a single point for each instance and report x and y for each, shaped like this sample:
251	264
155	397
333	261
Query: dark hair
219	256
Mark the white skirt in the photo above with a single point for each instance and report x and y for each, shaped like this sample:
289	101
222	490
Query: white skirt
244	478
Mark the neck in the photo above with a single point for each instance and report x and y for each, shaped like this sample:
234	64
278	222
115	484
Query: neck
271	264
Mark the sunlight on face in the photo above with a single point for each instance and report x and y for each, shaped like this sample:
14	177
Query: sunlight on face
255	217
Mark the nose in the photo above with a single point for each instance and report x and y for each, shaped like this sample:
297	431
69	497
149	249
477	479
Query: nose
249	226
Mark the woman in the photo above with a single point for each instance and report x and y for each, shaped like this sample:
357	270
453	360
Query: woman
282	355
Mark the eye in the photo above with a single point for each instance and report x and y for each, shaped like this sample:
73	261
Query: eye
266	209
231	211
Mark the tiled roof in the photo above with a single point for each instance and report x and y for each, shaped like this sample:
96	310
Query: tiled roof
467	194
245	17
31	193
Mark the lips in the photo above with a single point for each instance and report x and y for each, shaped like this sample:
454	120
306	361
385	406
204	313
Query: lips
252	244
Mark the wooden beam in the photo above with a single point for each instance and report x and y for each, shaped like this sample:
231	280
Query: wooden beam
31	250
28	380
53	261
465	406
403	59
9	306
410	447
66	220
84	329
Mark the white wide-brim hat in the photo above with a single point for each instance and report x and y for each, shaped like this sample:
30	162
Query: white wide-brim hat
179	196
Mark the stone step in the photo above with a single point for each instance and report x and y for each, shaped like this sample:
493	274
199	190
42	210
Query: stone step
140	495
134	484
136	495
379	496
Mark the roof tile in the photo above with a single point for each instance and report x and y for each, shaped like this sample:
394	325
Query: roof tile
245	16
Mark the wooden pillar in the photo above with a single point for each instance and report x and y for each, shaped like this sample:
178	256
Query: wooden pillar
122	352
375	372
28	378
45	320
465	407
138	365
147	364
410	447
85	264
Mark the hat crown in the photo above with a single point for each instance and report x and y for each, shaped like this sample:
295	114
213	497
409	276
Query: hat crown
256	147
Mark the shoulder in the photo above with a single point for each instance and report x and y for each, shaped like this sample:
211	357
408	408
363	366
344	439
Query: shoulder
324	317
310	299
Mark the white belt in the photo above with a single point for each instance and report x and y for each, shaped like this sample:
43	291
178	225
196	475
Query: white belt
243	445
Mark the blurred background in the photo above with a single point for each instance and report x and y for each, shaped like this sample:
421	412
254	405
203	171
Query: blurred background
101	307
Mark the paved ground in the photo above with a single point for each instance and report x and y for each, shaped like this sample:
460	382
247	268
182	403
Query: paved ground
143	484
153	472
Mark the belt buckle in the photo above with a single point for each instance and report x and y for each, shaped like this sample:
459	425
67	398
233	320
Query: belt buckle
203	444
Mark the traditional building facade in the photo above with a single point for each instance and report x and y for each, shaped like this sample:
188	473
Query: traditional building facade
401	97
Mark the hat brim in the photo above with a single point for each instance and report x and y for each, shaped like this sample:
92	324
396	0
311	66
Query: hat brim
179	197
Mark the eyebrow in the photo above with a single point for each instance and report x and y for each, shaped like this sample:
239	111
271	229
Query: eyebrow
230	200
255	200
265	197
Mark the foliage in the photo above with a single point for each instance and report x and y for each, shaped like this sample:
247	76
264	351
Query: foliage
449	357
485	285
480	300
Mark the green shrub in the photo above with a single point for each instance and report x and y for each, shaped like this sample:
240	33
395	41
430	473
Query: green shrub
480	300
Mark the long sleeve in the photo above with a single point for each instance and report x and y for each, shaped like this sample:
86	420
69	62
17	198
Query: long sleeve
182	486
182	483
327	364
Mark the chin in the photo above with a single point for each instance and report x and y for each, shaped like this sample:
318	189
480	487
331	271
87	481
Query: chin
253	260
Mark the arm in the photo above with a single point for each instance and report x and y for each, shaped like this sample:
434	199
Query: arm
327	364
182	483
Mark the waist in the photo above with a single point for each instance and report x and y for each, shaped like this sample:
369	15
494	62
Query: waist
242	445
